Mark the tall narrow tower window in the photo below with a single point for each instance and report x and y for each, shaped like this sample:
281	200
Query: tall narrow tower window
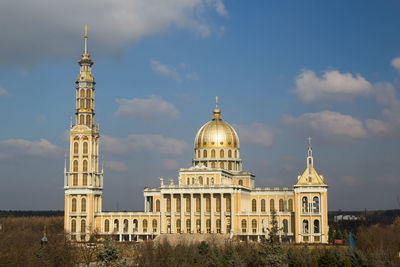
221	153
81	119
205	154
73	208
229	153
73	226
75	166
85	148
85	165
84	182
76	147
83	205
88	93
82	93
88	120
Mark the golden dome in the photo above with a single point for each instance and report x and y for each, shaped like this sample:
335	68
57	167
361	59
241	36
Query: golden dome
216	133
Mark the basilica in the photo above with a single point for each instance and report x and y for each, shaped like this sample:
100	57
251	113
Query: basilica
213	196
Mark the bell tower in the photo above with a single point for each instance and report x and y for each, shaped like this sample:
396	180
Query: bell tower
83	182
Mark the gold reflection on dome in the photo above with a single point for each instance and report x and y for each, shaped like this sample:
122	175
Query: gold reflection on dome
216	133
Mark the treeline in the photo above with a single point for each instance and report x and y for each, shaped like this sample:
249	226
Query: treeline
31	213
376	245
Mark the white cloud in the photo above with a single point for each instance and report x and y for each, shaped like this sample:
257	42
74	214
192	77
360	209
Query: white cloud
50	29
116	166
165	70
192	76
377	127
18	148
3	92
386	95
144	143
328	124
396	63
333	85
152	109
255	133
170	164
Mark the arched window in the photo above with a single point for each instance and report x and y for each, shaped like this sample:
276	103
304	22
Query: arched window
75	166
85	165
204	153
178	204
168	205
228	204
221	153
126	226
76	147
85	148
83	205
285	226
262	205
235	153
74	179
230	166
281	205
81	119
208	226
83	226
272	205
218	225
88	94
229	153
192	180
187	204
178	225
84	183
305	226
244	226
208	202
254	226
240	182
213	153
290	204
254	205
221	165
188	226
316	204
87	103
82	93
208	180
212	164
198	207
144	226
73	209
106	226
316	226
154	223
82	103
218	204
116	225
73	226
198	226
305	204
201	179
135	225
88	122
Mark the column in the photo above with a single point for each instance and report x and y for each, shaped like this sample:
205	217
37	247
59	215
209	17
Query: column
162	212
183	207
202	213
232	214
223	226
173	204
192	222
212	210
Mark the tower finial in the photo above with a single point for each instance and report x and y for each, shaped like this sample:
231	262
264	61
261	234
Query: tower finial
86	37
216	111
309	141
216	102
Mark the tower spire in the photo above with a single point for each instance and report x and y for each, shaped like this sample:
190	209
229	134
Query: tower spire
86	37
310	159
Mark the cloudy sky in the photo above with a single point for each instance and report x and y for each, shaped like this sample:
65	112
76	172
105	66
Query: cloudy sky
283	70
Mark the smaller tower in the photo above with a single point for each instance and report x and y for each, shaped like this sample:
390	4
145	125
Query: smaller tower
311	198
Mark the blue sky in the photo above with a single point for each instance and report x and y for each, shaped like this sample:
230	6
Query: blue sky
283	70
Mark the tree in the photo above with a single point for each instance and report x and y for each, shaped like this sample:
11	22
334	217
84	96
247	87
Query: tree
271	250
109	254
